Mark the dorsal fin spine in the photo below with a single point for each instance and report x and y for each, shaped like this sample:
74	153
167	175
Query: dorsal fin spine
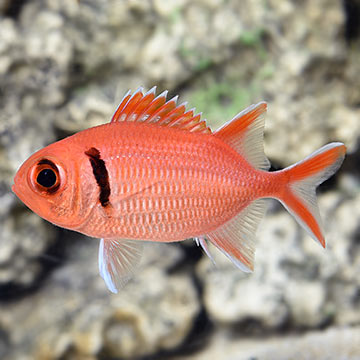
186	115
121	106
143	105
199	124
152	91
133	102
163	110
174	114
193	121
146	108
153	106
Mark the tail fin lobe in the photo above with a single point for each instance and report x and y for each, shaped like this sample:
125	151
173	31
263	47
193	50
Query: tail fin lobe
299	197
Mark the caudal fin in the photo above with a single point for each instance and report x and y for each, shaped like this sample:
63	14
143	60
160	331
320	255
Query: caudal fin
299	197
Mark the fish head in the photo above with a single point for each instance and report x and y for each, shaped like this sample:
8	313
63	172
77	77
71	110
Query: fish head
46	184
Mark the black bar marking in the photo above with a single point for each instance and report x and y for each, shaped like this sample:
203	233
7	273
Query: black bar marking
101	174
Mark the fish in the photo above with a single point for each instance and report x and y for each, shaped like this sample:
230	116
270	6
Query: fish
156	172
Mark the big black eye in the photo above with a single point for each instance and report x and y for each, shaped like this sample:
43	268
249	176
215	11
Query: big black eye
46	178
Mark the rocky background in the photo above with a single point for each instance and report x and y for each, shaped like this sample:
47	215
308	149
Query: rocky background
64	66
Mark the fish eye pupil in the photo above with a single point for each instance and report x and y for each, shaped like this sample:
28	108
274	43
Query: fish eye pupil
46	178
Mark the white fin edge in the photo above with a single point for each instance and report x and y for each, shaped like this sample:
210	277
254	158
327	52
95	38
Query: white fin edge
201	241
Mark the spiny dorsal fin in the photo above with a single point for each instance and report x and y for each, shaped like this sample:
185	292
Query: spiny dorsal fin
245	134
146	108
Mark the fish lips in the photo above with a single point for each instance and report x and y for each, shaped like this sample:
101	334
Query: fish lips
18	188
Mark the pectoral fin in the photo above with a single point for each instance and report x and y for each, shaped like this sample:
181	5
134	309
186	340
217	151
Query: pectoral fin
201	241
118	258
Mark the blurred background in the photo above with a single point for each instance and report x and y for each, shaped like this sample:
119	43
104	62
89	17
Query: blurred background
64	67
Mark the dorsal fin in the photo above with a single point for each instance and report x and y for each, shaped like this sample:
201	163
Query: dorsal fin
146	108
245	134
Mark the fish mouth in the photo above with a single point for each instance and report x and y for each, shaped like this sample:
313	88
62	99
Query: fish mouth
16	187
18	190
27	198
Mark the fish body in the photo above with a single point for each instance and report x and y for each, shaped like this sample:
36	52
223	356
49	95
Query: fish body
163	186
157	173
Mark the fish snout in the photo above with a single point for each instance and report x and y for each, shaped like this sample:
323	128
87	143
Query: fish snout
18	188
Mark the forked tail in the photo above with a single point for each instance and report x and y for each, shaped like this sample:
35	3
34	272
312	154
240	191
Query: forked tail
297	183
302	178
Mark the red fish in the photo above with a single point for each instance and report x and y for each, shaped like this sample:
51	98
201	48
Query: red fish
156	172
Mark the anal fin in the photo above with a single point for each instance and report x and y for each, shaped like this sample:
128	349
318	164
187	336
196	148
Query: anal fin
118	258
236	238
